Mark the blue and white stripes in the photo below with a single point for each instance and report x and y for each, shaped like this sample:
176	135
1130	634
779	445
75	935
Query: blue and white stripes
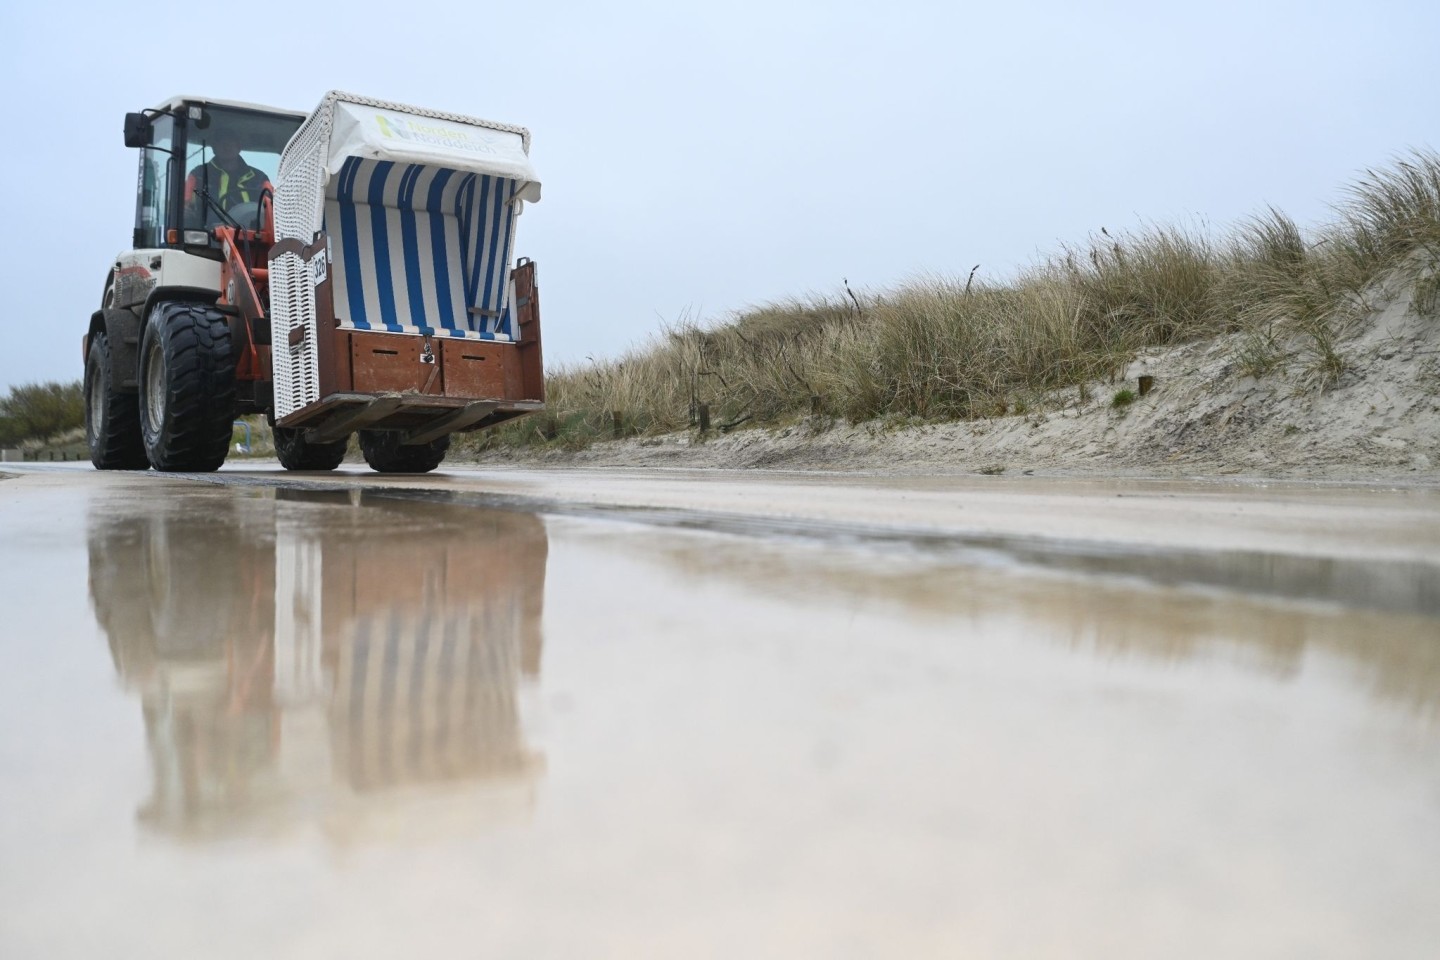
421	249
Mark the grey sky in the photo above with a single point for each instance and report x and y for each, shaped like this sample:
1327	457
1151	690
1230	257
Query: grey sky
704	159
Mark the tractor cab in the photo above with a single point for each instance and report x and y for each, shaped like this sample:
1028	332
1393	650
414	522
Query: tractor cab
204	164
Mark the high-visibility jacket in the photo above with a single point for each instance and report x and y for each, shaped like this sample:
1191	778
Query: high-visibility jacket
226	188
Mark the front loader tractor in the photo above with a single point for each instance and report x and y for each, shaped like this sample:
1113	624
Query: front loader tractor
351	270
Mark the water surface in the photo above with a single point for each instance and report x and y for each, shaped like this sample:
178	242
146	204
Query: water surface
242	722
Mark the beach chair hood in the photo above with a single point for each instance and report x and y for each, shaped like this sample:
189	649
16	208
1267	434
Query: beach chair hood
377	130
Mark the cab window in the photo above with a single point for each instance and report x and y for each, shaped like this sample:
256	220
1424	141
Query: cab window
152	209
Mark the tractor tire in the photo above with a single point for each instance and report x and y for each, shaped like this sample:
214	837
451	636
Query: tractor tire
187	387
112	419
297	453
384	452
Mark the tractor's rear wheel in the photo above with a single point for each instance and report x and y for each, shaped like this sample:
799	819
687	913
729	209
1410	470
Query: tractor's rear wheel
187	387
385	453
112	419
297	453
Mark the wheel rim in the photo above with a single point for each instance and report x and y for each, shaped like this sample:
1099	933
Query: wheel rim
94	408
154	386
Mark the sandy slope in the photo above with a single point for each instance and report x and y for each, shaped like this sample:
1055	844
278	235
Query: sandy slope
1204	416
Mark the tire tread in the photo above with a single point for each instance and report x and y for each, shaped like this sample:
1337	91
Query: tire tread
200	395
296	453
115	442
384	452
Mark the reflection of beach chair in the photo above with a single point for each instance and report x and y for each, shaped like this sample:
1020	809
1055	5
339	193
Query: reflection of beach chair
420	699
426	658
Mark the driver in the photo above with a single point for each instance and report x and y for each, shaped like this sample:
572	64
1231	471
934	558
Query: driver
228	179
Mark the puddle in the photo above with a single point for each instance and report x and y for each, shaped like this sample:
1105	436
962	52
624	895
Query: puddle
299	723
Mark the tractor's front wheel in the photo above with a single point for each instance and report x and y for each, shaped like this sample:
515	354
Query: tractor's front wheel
187	387
112	419
297	453
385	453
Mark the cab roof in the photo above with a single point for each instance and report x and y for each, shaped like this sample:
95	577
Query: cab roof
174	103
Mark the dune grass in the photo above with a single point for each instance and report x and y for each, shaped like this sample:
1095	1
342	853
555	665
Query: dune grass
942	347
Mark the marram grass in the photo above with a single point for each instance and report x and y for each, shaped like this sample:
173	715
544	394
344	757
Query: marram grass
943	347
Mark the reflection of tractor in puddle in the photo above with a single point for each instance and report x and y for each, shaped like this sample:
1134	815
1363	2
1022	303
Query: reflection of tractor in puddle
335	660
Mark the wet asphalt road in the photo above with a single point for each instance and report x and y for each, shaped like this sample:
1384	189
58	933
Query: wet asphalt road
574	714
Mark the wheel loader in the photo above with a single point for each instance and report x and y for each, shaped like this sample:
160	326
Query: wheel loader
350	270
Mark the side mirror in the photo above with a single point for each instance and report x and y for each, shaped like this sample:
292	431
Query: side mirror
137	130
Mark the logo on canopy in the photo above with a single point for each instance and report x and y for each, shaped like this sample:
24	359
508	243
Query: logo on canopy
434	134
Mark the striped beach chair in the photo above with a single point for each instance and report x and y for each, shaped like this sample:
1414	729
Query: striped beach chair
418	211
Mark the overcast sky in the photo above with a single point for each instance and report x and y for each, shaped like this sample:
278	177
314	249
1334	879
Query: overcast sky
699	159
